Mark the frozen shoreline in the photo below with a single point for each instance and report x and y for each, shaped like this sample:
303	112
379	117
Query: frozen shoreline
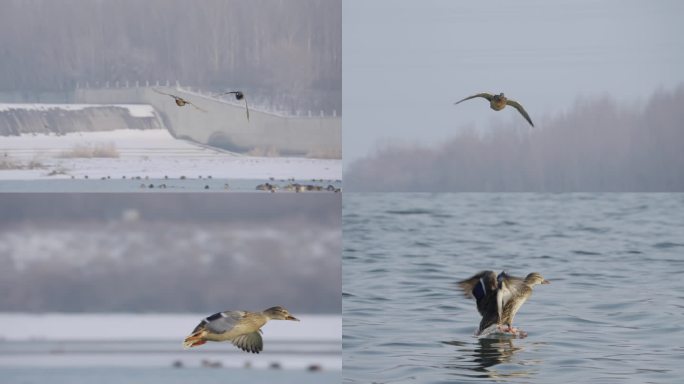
154	340
128	326
154	154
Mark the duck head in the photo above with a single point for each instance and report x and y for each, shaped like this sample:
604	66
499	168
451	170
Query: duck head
279	313
535	278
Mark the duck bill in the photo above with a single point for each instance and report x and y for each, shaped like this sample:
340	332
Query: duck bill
546	282
290	317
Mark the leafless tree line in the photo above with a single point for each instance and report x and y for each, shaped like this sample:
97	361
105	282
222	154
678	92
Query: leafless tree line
287	48
599	145
167	267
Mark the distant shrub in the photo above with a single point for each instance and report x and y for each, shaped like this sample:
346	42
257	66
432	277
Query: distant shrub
264	152
89	151
57	171
7	163
325	154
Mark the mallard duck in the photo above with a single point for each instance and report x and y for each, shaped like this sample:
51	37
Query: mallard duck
179	100
241	328
499	102
500	297
238	96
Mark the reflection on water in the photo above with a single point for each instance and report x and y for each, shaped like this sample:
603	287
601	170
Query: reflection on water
484	356
604	318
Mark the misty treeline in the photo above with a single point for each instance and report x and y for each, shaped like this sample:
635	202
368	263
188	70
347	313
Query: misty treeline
598	145
319	209
129	266
286	48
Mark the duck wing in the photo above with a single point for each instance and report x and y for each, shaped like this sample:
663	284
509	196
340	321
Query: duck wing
163	93
482	287
196	107
220	322
250	342
485	95
520	109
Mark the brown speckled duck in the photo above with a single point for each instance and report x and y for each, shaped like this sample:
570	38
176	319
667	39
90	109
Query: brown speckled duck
179	100
500	297
499	102
242	328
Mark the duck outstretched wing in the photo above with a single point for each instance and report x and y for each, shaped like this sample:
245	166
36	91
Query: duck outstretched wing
484	95
163	93
220	322
520	109
250	342
482	287
196	107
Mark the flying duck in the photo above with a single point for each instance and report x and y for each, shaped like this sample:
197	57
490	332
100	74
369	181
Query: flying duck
179	100
241	328
500	297
238	96
499	102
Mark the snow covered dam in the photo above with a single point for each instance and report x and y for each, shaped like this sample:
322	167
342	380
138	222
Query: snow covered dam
225	125
60	119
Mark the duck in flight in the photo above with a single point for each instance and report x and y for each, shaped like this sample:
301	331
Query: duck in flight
499	102
499	298
238	96
242	328
179	100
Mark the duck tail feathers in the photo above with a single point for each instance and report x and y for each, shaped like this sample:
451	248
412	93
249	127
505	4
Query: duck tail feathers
194	340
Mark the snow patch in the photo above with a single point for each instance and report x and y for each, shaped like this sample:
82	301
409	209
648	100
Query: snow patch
135	110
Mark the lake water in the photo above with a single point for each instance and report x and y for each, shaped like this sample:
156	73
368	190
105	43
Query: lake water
614	312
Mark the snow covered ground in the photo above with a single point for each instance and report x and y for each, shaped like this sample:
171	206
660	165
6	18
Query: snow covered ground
154	154
89	327
135	110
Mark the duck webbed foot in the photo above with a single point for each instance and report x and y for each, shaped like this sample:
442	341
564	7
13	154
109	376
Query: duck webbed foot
506	328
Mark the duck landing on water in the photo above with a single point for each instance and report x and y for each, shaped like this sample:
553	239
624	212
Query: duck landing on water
499	298
499	102
241	328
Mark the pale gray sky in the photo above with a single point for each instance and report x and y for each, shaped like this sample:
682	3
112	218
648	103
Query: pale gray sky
405	62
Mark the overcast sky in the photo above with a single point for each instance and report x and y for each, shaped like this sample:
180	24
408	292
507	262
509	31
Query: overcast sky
407	61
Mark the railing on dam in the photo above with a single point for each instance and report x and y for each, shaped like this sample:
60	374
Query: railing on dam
222	122
255	104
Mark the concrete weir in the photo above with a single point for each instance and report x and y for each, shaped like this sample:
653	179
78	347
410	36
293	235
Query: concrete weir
225	125
59	119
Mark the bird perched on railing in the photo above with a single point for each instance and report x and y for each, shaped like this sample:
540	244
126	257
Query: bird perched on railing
179	100
241	328
499	102
500	297
239	95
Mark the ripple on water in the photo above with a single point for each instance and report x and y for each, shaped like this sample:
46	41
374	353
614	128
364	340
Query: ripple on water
667	244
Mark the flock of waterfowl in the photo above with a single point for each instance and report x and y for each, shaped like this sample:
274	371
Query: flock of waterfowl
498	298
296	187
181	102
